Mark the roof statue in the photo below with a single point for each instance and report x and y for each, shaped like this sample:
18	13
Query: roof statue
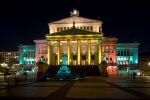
74	16
74	13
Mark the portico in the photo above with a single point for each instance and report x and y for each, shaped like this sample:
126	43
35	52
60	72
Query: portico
81	47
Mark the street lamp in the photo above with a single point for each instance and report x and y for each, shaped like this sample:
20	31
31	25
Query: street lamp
148	63
4	65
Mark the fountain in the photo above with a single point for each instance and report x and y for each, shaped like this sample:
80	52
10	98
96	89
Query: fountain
64	72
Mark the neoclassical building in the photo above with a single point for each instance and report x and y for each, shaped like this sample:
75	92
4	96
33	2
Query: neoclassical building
83	42
81	39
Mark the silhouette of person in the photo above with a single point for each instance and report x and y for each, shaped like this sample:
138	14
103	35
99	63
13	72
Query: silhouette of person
25	75
134	74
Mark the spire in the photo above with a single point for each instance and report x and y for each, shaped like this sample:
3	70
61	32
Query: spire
74	13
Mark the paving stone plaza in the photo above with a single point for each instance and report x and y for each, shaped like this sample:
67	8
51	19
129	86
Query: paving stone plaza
95	88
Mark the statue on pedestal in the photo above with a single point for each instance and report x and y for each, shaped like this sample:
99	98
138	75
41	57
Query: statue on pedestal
63	72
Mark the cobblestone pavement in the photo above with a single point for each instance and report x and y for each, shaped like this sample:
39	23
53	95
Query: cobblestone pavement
95	88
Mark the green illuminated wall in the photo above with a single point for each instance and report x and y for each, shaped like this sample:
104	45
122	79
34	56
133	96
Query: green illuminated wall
27	54
127	53
127	58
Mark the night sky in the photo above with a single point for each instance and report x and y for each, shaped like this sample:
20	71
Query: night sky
23	21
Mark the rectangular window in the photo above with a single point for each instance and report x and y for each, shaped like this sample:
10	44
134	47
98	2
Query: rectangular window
127	53
124	53
84	28
88	28
100	29
118	53
91	28
121	53
67	28
61	28
58	29
64	28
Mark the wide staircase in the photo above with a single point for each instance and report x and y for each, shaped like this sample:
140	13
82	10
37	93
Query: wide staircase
87	70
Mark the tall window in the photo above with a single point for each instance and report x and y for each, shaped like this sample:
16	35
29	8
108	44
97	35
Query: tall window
100	30
91	28
58	29
64	28
84	27
61	28
127	53
67	28
111	61
121	53
88	28
118	53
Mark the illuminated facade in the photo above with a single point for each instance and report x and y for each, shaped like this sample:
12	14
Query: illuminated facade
77	37
83	42
10	58
127	53
27	55
127	58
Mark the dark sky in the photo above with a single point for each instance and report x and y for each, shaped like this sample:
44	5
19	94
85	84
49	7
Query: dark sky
23	21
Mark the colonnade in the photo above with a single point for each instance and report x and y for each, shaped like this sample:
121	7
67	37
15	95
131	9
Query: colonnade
99	54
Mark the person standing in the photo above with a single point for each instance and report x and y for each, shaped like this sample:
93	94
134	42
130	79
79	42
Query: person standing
6	72
134	75
25	75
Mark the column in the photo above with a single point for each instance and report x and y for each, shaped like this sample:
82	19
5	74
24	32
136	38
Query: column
99	51
48	51
58	54
79	51
68	52
89	52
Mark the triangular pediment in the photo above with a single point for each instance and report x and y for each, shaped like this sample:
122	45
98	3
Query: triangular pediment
76	19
